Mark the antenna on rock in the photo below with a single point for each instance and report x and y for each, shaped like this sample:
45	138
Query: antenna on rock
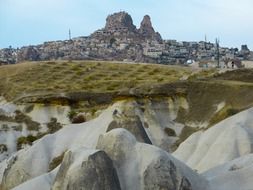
69	34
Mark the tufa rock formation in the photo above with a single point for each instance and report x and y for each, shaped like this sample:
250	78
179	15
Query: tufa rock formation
95	171
150	168
147	30
121	20
133	125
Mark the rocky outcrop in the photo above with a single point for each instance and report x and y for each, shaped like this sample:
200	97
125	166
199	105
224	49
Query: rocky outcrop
86	169
30	53
8	56
147	30
142	166
119	21
167	177
137	165
132	124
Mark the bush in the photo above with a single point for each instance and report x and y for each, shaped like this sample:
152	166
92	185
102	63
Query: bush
55	162
160	79
17	128
170	132
22	118
6	118
80	118
5	127
111	88
154	71
25	140
146	125
232	111
71	114
3	148
53	126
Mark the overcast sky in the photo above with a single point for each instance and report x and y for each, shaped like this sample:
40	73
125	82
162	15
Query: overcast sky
27	22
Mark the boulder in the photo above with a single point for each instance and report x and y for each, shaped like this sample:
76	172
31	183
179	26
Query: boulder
86	169
132	124
162	174
143	166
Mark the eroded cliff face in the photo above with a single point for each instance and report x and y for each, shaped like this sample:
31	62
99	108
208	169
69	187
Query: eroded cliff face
164	120
132	137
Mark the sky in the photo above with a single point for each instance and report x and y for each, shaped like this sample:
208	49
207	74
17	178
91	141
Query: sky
31	22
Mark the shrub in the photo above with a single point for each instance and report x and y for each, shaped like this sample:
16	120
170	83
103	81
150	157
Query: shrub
156	70
3	148
53	126
160	79
79	118
232	111
80	73
146	125
17	128
22	118
110	88
93	111
51	63
55	162
130	84
71	114
170	132
25	140
5	127
6	118
29	108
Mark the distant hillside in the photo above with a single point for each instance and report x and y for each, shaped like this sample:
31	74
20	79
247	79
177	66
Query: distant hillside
121	40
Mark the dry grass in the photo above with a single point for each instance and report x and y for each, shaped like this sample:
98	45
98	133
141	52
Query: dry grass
55	77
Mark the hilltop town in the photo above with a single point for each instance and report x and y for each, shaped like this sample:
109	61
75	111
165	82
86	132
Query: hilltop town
121	40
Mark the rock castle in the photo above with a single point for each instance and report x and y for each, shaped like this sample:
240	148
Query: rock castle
121	40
